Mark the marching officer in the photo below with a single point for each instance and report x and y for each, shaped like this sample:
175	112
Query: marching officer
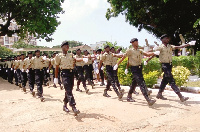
80	71
30	71
23	72
15	73
10	70
54	66
38	63
165	58
107	60
88	68
135	61
45	69
66	61
18	71
99	55
114	62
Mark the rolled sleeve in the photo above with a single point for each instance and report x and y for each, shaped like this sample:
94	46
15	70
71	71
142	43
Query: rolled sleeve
57	60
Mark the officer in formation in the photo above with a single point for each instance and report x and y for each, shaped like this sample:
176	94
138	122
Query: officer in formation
30	71
66	62
80	71
23	74
10	72
101	73
165	58
135	56
107	58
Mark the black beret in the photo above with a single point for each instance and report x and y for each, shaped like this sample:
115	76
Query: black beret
112	48
30	52
54	53
78	49
37	51
99	50
84	50
163	36
106	46
133	39
22	54
18	55
64	43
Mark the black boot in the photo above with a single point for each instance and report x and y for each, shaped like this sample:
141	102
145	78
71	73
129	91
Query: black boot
149	92
182	98
120	95
121	90
32	92
76	111
129	98
150	102
160	96
65	107
54	85
86	90
105	93
78	89
24	89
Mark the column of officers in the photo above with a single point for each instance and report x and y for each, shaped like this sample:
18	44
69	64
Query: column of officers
84	67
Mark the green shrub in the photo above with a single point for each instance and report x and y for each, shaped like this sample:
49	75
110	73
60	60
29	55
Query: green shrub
180	75
153	65
197	63
151	78
185	61
123	78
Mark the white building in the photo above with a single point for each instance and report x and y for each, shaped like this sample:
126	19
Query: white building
97	45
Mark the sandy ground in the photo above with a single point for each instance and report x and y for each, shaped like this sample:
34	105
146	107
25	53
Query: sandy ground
20	112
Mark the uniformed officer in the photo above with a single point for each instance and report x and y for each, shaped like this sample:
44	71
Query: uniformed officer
38	63
80	71
88	68
107	60
15	73
165	58
66	61
135	61
114	62
23	72
18	71
30	71
46	69
54	66
10	70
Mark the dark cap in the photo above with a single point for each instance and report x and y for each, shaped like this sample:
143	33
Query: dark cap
106	46
84	50
78	49
18	55
30	52
64	43
133	40
22	54
163	36
99	50
54	53
37	51
112	48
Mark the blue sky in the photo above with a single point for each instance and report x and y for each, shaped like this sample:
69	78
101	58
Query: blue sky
85	21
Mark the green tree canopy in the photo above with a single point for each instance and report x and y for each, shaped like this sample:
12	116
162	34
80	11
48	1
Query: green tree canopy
172	17
5	52
38	17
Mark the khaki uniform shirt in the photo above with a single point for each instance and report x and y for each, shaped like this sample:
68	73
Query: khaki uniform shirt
9	64
28	63
79	63
166	53
38	63
53	62
16	63
134	56
22	64
107	58
65	61
114	61
89	60
46	62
